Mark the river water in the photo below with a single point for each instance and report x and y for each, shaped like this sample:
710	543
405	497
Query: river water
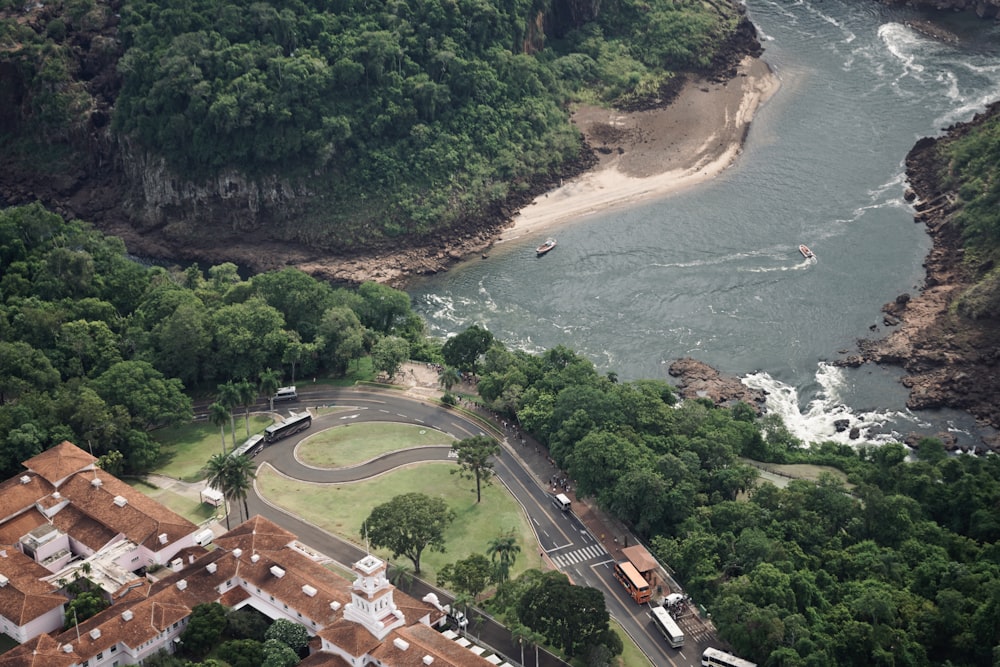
715	273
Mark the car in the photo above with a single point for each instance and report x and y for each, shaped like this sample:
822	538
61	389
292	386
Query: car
456	617
285	394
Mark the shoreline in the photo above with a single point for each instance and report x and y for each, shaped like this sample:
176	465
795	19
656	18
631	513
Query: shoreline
646	155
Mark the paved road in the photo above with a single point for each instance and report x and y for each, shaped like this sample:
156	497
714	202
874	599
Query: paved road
563	539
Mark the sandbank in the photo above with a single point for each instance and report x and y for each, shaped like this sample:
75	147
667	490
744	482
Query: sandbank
651	154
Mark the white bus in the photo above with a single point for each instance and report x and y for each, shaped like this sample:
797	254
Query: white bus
713	657
668	627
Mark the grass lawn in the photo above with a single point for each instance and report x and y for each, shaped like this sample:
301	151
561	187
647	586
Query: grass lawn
193	510
342	508
355	443
186	448
631	656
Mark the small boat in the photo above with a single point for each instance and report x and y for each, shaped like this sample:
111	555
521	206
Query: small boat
549	244
806	252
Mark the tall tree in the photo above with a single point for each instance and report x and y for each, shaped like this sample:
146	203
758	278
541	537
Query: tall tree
229	396
389	354
233	476
270	380
218	414
503	552
464	350
248	396
408	524
470	575
474	460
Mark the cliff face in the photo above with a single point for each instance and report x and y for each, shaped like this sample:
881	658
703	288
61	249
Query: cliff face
951	361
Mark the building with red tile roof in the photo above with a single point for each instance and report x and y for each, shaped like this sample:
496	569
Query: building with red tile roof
257	564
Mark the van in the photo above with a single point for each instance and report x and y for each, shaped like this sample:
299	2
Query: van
286	394
562	501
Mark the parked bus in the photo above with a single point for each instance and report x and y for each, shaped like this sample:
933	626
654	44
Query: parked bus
668	627
637	587
713	657
290	426
251	448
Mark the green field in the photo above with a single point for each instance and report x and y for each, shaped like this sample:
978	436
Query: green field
191	509
341	509
351	444
185	449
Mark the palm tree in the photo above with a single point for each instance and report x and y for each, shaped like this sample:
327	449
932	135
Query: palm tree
269	383
247	396
503	552
232	475
449	377
219	414
241	476
229	397
218	470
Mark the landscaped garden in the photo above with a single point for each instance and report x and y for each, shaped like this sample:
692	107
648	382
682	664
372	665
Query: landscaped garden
352	444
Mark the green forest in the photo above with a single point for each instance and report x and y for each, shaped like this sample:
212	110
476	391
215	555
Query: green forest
407	116
899	565
971	167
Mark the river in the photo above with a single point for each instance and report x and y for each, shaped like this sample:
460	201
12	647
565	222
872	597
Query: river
715	273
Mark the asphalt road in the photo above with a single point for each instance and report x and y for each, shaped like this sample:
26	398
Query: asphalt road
562	538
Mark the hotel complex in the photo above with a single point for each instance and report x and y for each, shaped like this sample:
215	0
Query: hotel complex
65	519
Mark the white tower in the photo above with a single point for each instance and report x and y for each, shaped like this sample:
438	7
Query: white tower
371	602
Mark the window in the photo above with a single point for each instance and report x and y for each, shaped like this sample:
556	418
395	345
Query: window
100	656
113	648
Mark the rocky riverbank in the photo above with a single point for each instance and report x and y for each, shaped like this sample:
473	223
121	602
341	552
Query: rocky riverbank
951	361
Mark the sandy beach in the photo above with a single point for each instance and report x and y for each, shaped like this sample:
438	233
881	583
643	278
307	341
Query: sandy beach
650	154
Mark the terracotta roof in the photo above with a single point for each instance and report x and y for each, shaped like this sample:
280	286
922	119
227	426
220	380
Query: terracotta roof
643	561
421	641
351	637
83	528
59	462
16	496
324	659
256	534
141	519
42	651
13	530
25	596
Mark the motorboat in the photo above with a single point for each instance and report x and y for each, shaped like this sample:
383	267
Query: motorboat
549	244
806	252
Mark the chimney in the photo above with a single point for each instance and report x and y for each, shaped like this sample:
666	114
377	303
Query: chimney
254	558
277	571
121	501
211	567
96	482
308	590
400	643
95	633
25	479
163	538
335	605
237	553
127	615
3	580
182	584
428	659
67	648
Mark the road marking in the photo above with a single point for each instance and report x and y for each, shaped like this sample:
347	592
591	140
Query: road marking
452	454
583	554
349	417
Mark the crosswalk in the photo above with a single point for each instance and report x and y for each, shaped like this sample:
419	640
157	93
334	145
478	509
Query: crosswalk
578	556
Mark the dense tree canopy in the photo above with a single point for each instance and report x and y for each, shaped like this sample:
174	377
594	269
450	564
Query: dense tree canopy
99	350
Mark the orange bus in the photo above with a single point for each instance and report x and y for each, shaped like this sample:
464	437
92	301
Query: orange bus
637	587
